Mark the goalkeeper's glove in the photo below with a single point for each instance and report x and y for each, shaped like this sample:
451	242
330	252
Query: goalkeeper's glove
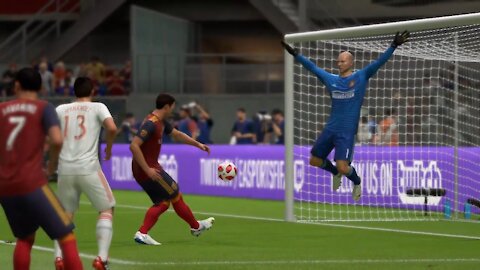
291	50
400	38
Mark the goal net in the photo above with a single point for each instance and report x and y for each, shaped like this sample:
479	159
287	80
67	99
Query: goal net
417	148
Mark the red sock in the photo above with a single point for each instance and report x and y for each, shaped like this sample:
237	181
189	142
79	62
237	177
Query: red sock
71	260
183	211
152	215
21	255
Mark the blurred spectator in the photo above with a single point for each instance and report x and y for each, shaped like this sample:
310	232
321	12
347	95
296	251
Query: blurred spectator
388	129
204	123
129	128
126	73
59	73
243	131
80	70
278	126
66	85
186	124
8	78
99	89
364	135
47	79
44	59
262	123
96	70
114	82
372	126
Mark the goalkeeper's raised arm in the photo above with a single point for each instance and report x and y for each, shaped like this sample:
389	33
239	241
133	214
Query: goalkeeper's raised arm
398	40
347	91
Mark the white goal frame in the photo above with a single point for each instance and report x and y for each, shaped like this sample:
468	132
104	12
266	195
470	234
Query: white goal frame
353	32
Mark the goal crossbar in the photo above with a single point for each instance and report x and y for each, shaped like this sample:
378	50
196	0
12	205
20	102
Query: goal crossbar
386	28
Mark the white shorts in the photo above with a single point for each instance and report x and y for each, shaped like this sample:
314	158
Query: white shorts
95	186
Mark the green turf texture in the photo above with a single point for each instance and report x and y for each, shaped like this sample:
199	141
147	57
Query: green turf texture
247	243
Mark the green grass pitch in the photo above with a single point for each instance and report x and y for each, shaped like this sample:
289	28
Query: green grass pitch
250	234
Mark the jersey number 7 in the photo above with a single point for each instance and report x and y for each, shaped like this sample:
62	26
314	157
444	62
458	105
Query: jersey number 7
19	122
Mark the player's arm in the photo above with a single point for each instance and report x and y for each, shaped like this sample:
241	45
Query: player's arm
184	138
399	39
52	127
110	128
306	63
145	132
111	133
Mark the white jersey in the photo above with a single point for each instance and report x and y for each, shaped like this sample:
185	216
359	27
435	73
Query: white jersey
81	124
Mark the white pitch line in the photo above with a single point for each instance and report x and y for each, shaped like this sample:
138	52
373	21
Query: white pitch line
82	255
365	261
276	262
322	224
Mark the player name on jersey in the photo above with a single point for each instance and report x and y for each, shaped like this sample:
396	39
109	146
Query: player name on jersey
20	107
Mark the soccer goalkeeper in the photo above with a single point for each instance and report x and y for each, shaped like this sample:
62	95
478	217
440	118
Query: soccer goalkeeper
347	91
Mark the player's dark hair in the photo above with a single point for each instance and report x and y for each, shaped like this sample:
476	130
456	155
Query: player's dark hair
241	110
83	87
164	99
29	79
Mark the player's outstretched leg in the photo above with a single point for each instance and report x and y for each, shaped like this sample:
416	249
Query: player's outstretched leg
357	188
151	217
104	231
327	165
205	225
183	211
350	173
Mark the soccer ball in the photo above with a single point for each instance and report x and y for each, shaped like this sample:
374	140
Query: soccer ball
227	171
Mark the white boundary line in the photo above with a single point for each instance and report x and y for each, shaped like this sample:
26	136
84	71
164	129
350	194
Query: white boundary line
320	224
276	262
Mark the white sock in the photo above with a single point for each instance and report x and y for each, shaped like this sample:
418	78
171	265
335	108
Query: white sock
58	251
104	235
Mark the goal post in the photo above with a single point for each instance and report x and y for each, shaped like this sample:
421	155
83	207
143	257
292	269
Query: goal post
430	87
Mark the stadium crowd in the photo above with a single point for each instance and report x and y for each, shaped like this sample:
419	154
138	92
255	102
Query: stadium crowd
195	121
58	78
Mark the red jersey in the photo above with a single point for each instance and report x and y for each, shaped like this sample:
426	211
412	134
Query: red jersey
24	125
151	132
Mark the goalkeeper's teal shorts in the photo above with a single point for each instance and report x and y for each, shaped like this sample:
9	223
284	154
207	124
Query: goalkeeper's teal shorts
342	142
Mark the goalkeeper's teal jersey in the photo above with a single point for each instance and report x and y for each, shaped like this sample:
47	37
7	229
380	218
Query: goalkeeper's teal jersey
347	93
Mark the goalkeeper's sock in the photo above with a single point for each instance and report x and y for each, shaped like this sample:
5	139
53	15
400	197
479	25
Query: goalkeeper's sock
352	175
327	165
152	215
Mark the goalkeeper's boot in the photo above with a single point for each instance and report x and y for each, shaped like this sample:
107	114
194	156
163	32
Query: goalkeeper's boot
357	192
59	264
143	238
337	181
205	225
98	264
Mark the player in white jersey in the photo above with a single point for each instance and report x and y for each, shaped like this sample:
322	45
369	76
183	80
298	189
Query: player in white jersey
79	169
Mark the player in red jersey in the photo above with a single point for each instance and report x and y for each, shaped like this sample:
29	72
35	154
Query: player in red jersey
148	173
26	199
